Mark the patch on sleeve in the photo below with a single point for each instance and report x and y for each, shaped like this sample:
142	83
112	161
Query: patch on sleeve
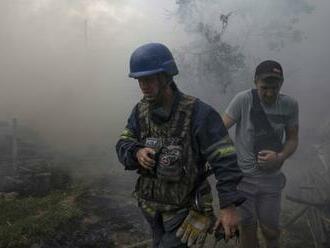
128	134
220	149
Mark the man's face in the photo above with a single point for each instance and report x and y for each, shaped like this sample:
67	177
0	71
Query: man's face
268	89
150	86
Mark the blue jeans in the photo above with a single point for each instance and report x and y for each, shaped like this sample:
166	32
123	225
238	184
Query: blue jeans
263	204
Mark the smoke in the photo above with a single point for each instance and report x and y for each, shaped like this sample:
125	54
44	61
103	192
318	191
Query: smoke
292	32
64	64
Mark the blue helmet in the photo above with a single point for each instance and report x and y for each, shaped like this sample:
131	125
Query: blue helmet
152	58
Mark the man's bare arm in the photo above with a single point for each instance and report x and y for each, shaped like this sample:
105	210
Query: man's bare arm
291	143
228	121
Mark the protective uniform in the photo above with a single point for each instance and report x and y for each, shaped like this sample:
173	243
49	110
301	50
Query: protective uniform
192	136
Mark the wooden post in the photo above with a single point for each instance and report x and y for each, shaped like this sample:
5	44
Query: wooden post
14	144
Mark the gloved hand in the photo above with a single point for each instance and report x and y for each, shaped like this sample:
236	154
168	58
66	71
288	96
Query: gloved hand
195	227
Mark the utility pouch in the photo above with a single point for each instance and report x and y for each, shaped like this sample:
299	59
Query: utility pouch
170	163
168	159
156	144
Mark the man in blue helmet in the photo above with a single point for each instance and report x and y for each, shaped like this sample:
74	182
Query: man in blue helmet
169	138
266	135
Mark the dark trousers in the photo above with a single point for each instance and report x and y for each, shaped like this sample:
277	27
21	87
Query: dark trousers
164	231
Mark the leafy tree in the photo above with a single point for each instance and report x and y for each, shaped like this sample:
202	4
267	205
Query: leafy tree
215	55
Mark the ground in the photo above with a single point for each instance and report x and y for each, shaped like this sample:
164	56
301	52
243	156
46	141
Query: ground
98	210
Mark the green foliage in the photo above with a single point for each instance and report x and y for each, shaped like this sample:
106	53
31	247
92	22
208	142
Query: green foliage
24	221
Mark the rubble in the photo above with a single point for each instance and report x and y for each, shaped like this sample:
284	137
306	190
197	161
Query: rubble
313	192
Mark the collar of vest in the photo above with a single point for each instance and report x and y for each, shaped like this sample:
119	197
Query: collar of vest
159	115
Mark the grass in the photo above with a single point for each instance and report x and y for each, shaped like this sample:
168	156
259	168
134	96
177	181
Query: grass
25	221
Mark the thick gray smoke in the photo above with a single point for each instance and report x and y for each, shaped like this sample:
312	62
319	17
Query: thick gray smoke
292	32
64	64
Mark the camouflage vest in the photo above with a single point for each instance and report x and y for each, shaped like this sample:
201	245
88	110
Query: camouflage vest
173	181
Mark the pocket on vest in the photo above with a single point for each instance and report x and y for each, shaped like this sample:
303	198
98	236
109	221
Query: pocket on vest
161	191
